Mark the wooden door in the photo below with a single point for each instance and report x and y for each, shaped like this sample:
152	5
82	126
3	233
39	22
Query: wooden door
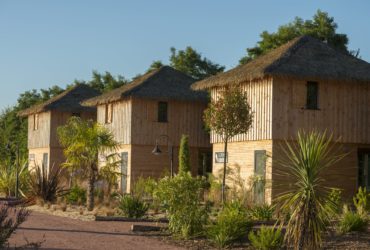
259	172
124	163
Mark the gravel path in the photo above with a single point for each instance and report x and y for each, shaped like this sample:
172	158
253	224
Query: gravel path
65	233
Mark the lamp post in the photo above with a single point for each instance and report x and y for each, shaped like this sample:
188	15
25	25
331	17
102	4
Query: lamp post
158	151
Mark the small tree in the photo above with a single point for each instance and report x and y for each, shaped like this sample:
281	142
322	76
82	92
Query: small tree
184	155
82	142
228	115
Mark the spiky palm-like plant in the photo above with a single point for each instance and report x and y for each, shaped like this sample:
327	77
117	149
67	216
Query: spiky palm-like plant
307	200
83	141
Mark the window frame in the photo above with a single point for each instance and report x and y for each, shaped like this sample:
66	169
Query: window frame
108	113
312	104
162	118
35	122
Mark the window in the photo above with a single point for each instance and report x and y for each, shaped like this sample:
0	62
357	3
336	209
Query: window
312	95
35	121
162	112
31	157
45	162
109	113
220	157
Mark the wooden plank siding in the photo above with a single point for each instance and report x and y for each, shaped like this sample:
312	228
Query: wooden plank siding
183	118
343	110
39	138
259	94
121	123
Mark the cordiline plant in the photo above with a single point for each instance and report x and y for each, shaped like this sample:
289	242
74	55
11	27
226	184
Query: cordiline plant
307	200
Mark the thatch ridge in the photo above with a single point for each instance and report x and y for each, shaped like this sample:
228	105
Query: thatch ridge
67	101
164	83
303	57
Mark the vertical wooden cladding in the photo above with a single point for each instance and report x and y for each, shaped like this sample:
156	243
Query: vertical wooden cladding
183	118
344	109
259	94
40	137
120	125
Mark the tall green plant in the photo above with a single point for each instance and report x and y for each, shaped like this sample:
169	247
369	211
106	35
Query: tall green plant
180	197
8	179
82	142
184	155
307	200
228	115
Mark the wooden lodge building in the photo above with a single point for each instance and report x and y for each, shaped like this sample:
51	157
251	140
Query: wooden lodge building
304	84
156	107
45	118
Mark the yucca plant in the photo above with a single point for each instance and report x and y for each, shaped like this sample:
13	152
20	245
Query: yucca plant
45	186
307	200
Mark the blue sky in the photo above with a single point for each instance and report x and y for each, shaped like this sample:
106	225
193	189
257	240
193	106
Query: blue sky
43	43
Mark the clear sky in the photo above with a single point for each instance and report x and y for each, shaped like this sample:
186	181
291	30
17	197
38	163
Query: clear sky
45	42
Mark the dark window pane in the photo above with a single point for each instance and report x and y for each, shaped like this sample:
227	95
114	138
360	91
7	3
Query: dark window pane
312	95
162	112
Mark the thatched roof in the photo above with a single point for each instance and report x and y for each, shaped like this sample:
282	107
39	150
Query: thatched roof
304	57
165	83
68	101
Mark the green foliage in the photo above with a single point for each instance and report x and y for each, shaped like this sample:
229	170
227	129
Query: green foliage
307	200
262	212
352	221
109	174
103	82
155	65
45	186
335	197
82	142
8	179
76	195
132	207
231	224
191	63
143	188
180	197
266	238
10	219
184	155
228	116
362	199
322	27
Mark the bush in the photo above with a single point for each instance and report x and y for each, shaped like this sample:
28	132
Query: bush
143	188
263	212
334	202
76	195
180	197
8	179
266	238
10	219
362	200
231	224
351	221
132	207
45	186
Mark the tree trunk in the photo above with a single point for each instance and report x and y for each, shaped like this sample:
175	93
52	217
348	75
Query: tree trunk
223	198
90	190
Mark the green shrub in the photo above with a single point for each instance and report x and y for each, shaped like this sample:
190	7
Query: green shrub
180	196
334	202
351	221
76	195
143	188
184	155
231	224
132	207
263	212
362	200
266	238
